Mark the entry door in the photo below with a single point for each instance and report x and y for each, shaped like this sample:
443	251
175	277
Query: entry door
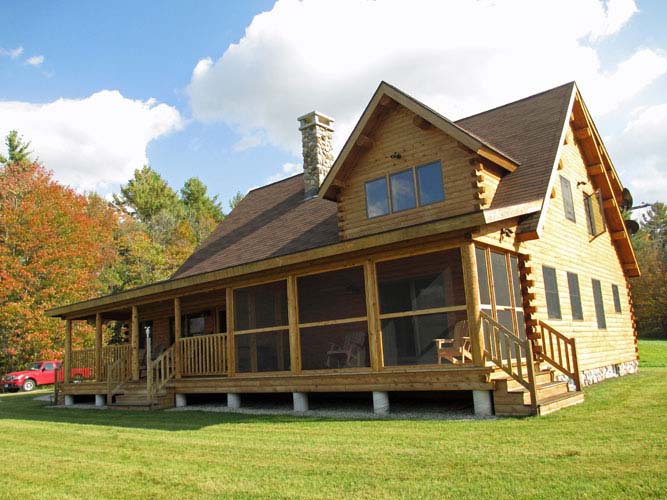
500	288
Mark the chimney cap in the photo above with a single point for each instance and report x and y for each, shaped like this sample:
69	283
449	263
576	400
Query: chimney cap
315	118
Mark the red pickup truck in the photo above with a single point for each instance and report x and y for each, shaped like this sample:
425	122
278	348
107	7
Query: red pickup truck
41	373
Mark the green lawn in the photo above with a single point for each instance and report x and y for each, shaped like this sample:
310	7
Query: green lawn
613	446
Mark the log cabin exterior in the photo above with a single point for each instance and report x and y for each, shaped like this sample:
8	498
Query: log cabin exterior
486	255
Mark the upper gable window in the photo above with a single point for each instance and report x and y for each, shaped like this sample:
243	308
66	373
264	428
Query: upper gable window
429	181
402	191
405	190
377	201
568	203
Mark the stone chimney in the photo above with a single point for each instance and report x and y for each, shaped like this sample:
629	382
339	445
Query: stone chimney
317	139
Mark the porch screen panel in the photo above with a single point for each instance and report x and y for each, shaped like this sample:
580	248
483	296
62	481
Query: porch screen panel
333	328
335	346
261	307
422	298
262	352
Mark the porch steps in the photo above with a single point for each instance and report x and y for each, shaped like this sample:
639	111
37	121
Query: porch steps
135	397
512	399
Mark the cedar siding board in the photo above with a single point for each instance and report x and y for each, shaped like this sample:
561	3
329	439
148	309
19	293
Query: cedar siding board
568	247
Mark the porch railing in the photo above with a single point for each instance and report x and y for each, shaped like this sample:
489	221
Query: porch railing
118	372
111	354
160	372
560	352
510	353
203	355
82	364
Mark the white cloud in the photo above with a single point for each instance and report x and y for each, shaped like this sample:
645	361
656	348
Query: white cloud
287	170
330	56
94	142
11	53
35	61
640	154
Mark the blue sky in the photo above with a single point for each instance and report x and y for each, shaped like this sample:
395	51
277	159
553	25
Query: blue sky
194	93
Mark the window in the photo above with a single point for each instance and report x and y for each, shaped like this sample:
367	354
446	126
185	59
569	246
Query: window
568	203
594	216
551	291
48	367
575	296
617	298
405	190
429	182
377	201
402	191
599	304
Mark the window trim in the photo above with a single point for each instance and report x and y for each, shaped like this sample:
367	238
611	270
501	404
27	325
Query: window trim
415	182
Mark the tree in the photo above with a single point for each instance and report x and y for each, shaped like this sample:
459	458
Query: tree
146	194
236	199
55	244
18	151
195	200
650	290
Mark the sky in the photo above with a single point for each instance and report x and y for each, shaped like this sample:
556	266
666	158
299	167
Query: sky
213	89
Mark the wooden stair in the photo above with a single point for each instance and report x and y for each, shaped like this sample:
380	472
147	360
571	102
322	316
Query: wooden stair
511	399
134	396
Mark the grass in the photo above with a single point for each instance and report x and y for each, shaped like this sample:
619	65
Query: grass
613	446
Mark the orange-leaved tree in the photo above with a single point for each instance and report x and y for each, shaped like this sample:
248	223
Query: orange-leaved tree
56	247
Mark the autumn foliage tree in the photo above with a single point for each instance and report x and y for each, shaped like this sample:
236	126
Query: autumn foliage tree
55	247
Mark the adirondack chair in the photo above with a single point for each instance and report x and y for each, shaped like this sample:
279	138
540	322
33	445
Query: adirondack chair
456	349
350	353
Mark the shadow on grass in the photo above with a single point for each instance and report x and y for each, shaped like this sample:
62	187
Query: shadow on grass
352	407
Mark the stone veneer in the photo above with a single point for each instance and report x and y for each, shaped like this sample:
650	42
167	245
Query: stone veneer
317	141
595	375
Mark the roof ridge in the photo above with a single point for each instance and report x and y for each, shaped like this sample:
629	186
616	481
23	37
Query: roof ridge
275	182
511	103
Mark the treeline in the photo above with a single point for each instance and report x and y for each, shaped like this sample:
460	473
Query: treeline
650	290
58	246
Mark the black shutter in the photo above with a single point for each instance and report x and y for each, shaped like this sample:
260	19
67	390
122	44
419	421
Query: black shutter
617	298
551	291
575	296
599	304
568	203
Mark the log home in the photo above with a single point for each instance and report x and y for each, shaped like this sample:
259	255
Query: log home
485	255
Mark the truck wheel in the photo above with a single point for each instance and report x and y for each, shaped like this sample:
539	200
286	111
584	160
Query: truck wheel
29	385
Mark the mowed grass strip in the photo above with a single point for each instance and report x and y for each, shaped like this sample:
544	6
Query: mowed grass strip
613	446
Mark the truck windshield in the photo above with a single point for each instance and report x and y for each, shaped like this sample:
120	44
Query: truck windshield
35	366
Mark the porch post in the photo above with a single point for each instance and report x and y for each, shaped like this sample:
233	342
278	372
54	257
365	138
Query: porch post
373	314
177	336
68	351
134	342
98	347
231	353
293	320
473	304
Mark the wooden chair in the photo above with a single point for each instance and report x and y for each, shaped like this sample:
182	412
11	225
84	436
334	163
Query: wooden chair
457	349
352	351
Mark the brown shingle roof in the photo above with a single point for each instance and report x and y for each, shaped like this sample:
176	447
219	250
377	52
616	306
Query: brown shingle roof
276	220
270	221
529	130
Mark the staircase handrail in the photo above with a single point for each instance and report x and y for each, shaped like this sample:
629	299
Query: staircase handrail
559	351
504	349
160	372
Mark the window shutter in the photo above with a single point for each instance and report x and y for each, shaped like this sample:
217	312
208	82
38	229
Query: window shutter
568	203
599	304
551	291
575	296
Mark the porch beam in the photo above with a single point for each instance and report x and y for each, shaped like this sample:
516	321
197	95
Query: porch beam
134	341
229	313
293	320
373	316
471	283
68	351
98	347
177	337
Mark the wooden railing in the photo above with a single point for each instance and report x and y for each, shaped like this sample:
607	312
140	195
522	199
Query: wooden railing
83	362
560	352
510	353
203	355
118	372
160	372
